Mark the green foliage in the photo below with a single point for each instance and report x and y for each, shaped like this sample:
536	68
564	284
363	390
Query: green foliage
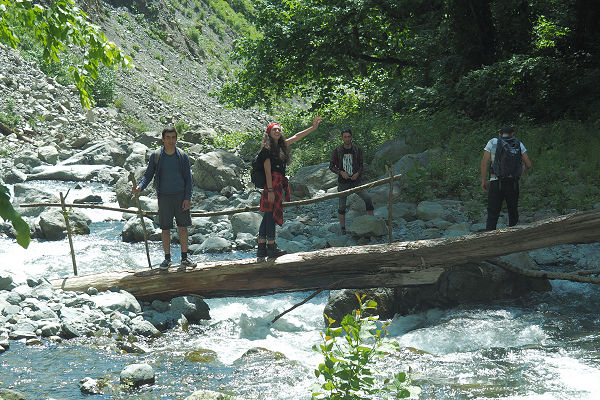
103	87
8	213
56	27
500	60
546	33
235	20
8	116
350	352
181	127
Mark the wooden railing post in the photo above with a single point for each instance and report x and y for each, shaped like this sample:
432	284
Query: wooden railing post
68	225
141	215
390	202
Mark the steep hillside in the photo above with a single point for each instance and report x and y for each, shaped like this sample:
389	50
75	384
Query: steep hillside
180	54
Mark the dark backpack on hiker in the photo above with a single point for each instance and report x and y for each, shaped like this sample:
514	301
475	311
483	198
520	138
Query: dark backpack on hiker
508	162
257	173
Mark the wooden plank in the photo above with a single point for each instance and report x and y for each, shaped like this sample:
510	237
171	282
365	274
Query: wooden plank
381	265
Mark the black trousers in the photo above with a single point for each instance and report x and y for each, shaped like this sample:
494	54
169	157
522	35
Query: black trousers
500	190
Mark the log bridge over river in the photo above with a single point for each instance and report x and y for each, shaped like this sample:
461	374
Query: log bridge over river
381	265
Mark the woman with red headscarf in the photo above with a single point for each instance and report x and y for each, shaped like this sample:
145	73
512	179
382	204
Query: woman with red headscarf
275	155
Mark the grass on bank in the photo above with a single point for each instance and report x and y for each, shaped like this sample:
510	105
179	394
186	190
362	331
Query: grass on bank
565	155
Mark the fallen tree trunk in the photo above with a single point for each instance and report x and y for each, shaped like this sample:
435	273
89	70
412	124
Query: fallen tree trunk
382	265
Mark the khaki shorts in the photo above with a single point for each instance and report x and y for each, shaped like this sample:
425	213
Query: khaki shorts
169	207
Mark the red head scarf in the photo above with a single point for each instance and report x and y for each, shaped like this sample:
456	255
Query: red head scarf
270	127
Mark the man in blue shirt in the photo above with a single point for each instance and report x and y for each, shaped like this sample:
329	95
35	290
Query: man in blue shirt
170	168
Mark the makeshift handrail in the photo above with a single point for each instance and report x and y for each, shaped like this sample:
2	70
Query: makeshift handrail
230	211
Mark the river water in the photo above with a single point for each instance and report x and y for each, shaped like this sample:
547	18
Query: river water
544	346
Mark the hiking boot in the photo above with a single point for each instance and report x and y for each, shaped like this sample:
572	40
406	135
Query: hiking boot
165	264
273	252
261	253
189	262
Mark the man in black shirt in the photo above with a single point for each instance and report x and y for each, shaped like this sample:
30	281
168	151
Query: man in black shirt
347	162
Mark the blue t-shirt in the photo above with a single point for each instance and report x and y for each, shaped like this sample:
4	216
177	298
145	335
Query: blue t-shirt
171	179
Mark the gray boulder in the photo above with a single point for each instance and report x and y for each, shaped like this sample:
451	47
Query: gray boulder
136	375
89	386
121	301
246	222
76	173
428	210
210	395
461	284
14	175
390	151
214	244
367	226
217	169
315	177
7	394
24	194
133	231
52	224
48	154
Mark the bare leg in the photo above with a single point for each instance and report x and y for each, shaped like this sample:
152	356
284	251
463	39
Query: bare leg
183	238
370	212
166	240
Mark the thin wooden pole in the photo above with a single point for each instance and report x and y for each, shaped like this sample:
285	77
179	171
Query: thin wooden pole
232	211
68	225
141	215
390	202
573	277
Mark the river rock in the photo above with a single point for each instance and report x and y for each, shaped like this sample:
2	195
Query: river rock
217	169
141	327
246	222
121	301
390	151
367	226
48	154
89	386
77	173
14	175
428	210
136	375
24	194
410	161
468	283
6	282
27	158
7	394
133	231
315	177
52	224
191	309
214	244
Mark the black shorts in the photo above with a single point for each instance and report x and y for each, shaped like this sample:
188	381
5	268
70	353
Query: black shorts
169	206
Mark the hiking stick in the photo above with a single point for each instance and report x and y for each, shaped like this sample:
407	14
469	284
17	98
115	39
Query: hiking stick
141	214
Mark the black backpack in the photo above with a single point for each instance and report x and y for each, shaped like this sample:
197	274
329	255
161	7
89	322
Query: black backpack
508	162
257	173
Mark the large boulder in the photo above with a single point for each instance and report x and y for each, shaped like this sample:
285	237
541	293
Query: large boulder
24	194
314	177
468	283
246	222
136	375
133	231
123	187
107	152
367	226
390	151
52	224
136	157
218	169
76	173
48	154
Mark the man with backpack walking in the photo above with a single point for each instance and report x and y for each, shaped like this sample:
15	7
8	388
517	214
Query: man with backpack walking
508	158
170	168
